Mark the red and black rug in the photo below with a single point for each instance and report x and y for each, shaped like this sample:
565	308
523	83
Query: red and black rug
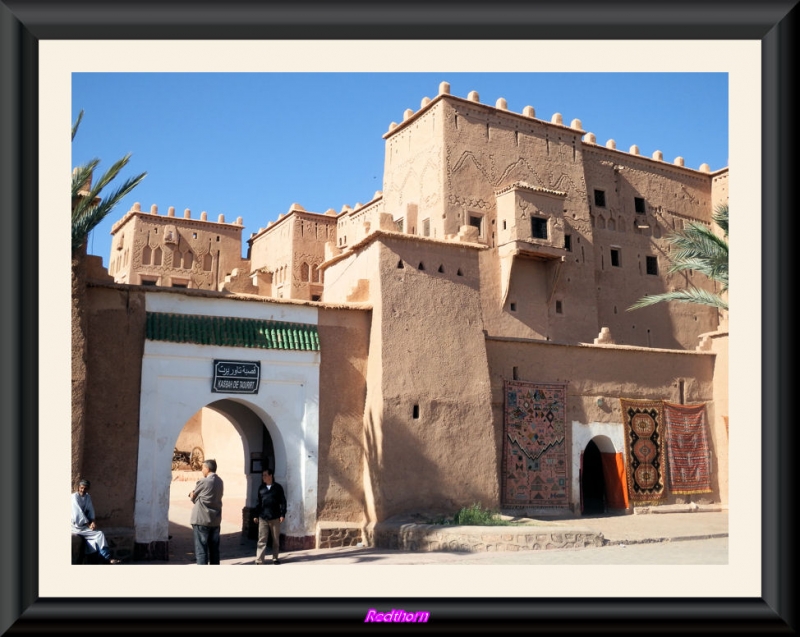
688	450
644	424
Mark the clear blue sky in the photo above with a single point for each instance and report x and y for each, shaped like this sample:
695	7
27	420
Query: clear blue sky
251	144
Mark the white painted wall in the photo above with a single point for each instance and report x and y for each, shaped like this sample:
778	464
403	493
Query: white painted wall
581	436
262	310
176	383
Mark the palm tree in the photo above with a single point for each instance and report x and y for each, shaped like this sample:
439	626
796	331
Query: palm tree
698	249
88	209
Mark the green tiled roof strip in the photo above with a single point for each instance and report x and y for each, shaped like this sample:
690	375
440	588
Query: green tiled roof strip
231	331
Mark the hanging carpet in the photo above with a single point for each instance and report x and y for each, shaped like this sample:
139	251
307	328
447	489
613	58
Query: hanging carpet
534	445
644	429
688	450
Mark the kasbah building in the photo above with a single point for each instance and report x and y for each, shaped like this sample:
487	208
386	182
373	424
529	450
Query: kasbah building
394	339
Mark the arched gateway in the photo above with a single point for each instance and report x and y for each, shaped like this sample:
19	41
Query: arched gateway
265	376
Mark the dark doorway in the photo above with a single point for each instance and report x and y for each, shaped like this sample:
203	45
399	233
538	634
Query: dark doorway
593	485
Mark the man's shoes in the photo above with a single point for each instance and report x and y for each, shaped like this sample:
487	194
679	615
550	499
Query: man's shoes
259	562
115	561
276	561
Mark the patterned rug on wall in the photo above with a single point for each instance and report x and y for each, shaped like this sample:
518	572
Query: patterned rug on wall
535	450
688	451
644	429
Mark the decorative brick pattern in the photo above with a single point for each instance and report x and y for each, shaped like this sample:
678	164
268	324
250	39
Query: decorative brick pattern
339	537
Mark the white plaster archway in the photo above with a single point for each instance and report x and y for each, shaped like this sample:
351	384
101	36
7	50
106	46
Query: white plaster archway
609	438
177	382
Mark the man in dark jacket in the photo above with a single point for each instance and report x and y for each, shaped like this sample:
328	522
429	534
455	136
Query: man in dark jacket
270	511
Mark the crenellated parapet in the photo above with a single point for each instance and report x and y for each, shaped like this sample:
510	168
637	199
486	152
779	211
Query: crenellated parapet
590	139
501	107
136	209
473	97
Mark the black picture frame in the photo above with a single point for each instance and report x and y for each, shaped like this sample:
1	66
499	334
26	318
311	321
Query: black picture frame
256	465
24	23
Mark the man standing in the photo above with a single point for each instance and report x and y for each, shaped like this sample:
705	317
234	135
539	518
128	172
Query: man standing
270	511
207	514
83	523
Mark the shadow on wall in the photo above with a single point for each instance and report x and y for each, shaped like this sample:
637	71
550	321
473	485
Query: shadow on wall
405	479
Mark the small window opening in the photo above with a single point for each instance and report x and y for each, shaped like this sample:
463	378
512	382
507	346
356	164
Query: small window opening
477	222
600	198
148	282
400	265
539	228
652	265
316	297
681	392
194	235
559	308
513	307
638	205
459	273
504	225
415	412
615	258
217	239
515	373
441	269
421	266
568	242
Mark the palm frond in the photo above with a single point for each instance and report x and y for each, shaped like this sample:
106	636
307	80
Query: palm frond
87	215
700	249
689	295
76	124
720	217
89	208
82	175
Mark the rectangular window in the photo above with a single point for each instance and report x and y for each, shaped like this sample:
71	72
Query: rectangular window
559	308
600	198
539	228
426	227
652	265
568	242
148	281
398	224
638	204
477	221
615	257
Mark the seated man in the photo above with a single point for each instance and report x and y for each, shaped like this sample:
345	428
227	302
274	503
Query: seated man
83	523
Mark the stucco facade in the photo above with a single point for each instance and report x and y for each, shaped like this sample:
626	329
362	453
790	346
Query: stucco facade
502	247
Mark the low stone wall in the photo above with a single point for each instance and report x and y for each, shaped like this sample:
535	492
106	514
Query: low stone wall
476	539
332	535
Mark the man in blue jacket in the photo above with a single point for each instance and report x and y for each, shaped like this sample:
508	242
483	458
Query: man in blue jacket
270	512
